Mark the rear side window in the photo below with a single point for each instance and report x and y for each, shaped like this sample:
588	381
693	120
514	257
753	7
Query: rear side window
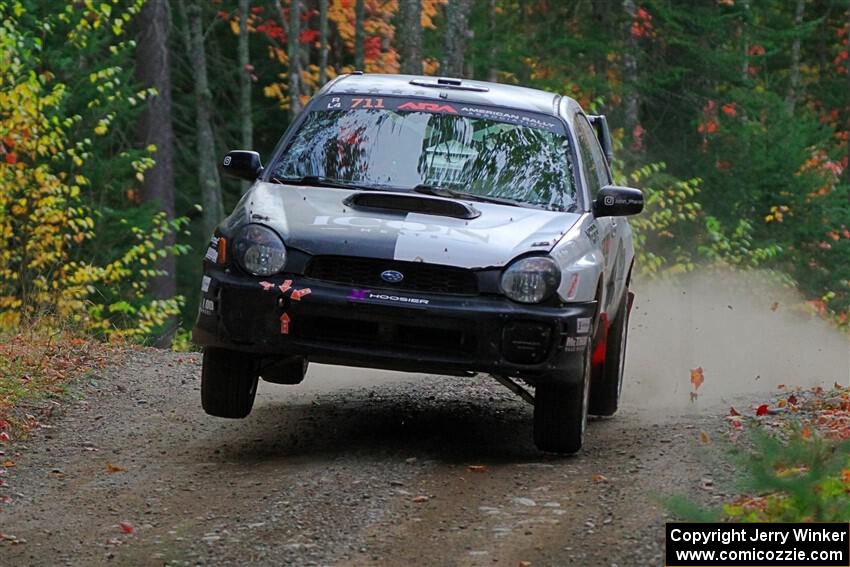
594	165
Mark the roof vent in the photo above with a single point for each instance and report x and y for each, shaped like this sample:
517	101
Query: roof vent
452	84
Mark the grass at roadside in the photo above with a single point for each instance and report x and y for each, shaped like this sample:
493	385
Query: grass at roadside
38	364
792	459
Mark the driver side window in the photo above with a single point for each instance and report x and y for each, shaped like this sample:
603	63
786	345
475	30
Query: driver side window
594	165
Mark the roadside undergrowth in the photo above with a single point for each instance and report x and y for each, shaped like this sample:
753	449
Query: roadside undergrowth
792	459
38	364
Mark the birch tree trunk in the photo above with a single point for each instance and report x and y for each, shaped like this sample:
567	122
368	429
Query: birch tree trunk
409	33
847	166
631	98
794	85
323	42
359	36
454	39
153	70
493	71
294	58
208	178
245	72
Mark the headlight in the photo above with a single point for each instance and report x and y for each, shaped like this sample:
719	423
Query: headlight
531	280
260	250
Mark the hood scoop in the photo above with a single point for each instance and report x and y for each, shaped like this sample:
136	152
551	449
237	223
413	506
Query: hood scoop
406	203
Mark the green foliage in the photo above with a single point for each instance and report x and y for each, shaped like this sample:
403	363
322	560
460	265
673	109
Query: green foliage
52	263
802	477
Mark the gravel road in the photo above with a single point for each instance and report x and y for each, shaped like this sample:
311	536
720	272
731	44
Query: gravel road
353	467
362	467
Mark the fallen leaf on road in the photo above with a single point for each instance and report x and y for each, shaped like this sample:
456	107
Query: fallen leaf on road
780	387
703	436
775	306
8	463
524	564
477	468
762	410
697	377
126	527
4	436
806	432
792	399
421	498
596	477
733	412
781	403
110	468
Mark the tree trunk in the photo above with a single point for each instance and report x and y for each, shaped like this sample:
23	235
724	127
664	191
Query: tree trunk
745	68
456	30
245	74
409	34
323	42
794	85
492	52
631	98
153	70
359	36
294	58
847	120
208	178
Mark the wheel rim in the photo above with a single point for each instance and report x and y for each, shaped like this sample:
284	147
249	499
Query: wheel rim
622	362
585	403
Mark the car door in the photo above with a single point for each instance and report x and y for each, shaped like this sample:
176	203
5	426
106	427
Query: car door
597	175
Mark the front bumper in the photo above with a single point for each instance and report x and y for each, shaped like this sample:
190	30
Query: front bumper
396	330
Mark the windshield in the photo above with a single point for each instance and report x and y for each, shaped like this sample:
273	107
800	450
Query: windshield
407	143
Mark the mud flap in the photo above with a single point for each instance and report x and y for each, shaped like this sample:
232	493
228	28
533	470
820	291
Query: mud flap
599	351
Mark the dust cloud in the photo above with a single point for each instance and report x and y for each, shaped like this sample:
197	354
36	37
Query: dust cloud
748	333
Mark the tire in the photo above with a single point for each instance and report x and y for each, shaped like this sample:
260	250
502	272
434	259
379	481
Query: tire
560	413
228	383
605	391
288	371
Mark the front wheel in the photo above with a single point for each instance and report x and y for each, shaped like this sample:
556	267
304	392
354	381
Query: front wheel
560	413
228	383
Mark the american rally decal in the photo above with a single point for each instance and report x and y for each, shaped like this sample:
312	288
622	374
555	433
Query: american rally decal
344	102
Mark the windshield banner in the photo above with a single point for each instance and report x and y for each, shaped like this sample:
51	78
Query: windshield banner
402	104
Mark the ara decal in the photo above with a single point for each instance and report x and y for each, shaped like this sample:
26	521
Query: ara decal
284	324
267	286
205	283
285	286
299	293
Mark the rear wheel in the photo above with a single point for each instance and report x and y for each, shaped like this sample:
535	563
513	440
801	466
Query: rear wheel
605	391
560	413
228	383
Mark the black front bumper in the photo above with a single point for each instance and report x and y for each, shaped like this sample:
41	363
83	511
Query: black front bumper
395	330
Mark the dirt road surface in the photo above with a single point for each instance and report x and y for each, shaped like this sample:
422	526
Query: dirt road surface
361	467
407	470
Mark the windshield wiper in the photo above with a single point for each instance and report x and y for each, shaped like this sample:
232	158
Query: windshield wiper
445	192
321	181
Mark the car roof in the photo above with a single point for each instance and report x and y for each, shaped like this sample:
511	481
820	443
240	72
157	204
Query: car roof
456	90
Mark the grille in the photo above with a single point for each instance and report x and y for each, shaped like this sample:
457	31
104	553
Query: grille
410	338
366	272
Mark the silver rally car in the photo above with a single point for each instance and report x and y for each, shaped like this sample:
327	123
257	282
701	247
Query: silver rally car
431	225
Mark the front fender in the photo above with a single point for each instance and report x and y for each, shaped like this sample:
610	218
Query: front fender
579	255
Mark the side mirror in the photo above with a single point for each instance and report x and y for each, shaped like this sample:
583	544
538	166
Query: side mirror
242	164
603	134
614	201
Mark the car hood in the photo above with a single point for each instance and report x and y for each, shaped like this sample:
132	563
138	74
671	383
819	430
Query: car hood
317	221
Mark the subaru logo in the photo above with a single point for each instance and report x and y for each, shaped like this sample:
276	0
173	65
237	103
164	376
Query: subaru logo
392	276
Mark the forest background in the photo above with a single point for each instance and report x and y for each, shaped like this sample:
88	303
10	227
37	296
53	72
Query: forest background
732	115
